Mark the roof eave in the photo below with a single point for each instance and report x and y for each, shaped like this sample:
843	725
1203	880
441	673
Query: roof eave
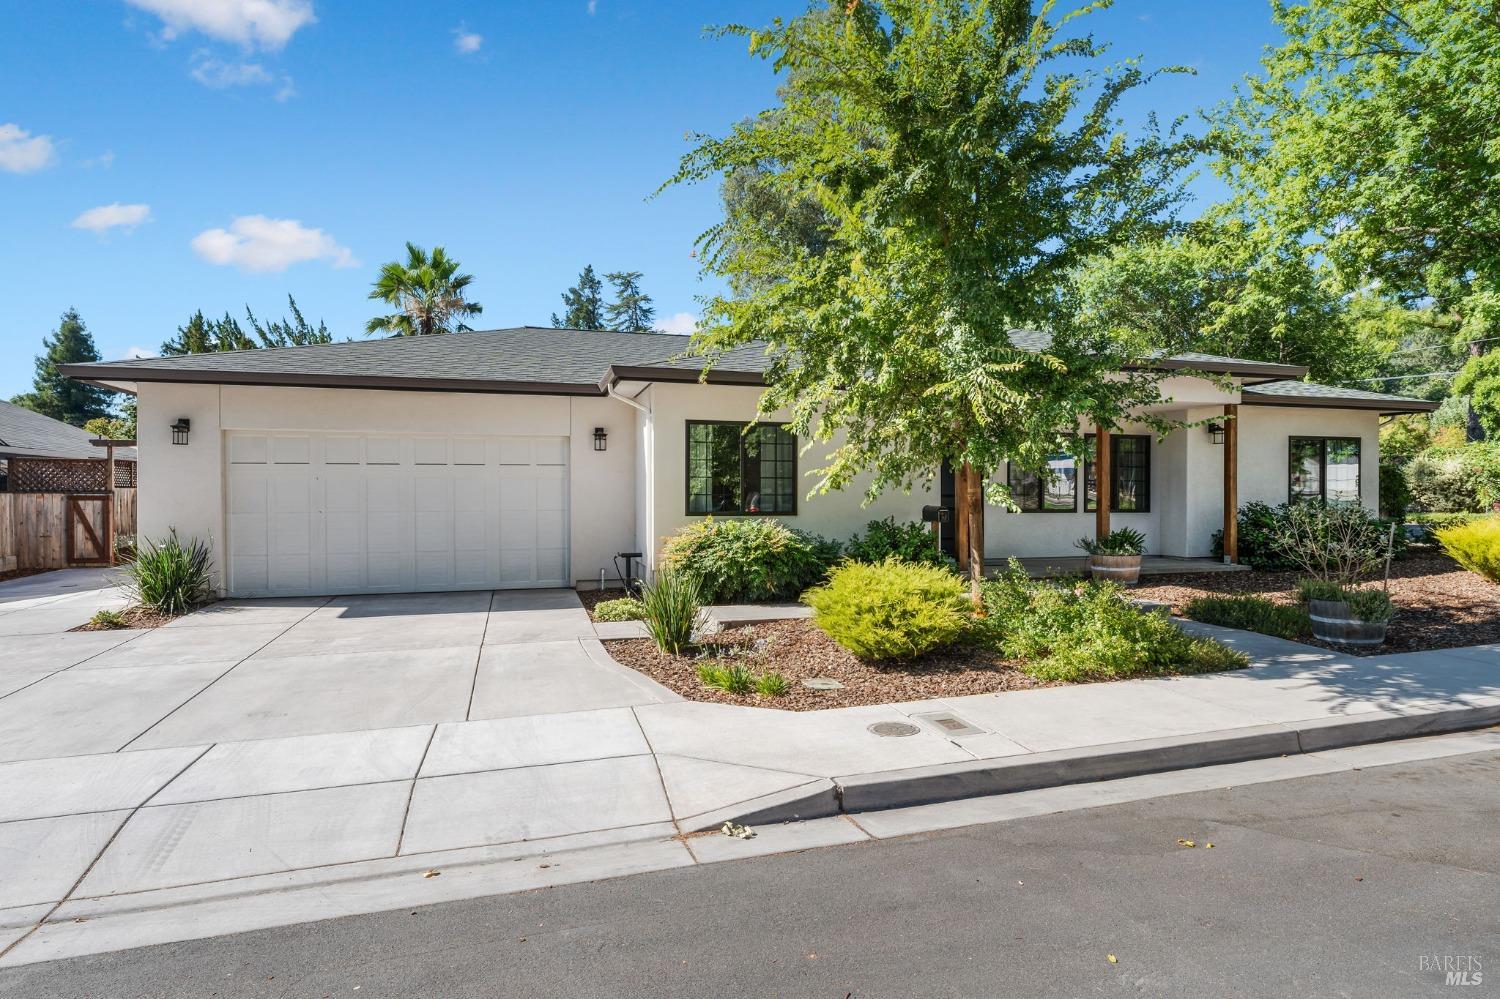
1386	407
617	373
1245	369
99	373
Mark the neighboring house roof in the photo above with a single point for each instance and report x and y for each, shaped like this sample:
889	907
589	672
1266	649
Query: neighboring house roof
28	434
530	359
1294	393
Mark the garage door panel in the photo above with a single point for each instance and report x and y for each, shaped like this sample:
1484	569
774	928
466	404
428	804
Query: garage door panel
350	513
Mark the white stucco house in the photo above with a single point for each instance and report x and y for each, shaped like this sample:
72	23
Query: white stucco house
530	457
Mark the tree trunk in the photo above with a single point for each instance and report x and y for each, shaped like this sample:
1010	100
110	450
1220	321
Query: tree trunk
974	515
961	516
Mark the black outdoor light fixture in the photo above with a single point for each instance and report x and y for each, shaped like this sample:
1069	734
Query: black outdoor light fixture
180	430
601	439
1216	433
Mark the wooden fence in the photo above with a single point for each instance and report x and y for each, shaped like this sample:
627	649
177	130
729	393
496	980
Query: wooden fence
35	528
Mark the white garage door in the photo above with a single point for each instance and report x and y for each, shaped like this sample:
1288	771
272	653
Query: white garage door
346	513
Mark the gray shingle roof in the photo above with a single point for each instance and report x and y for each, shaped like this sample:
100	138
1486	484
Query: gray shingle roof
1311	393
23	432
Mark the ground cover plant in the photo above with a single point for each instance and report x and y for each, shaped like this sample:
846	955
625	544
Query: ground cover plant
1250	614
619	609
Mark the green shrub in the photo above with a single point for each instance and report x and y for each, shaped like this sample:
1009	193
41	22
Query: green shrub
1263	530
1120	541
107	619
672	606
743	559
890	610
912	541
1373	606
1088	632
1250	614
1464	479
771	684
621	609
1337	543
732	678
1318	589
1395	495
170	577
1255	521
1475	546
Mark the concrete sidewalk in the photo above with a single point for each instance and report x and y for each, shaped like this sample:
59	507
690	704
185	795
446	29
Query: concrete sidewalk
283	829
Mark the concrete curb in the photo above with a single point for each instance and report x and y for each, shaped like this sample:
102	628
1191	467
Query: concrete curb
816	799
953	781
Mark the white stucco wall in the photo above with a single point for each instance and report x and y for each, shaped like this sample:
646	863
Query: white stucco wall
1264	455
183	487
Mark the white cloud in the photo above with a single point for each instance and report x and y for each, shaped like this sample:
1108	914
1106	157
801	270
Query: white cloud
682	322
593	7
103	161
465	41
257	243
136	351
107	217
219	75
22	152
266	23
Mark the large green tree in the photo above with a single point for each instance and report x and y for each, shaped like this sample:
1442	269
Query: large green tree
428	292
632	310
1370	136
583	304
968	157
54	394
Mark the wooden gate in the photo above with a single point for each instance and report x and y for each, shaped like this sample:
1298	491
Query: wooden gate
87	530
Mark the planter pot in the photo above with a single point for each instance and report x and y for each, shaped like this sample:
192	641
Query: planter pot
1332	622
1122	569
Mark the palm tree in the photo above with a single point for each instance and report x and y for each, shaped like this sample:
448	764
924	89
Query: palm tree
428	291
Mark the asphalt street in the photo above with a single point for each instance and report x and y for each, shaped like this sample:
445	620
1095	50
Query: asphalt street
1370	883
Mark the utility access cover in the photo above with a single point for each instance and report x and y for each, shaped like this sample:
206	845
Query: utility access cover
822	683
893	730
949	723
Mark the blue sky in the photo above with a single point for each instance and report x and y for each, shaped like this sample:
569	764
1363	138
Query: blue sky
162	156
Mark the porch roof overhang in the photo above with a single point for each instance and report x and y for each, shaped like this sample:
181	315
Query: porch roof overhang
1315	396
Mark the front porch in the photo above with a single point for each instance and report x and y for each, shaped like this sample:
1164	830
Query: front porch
1077	565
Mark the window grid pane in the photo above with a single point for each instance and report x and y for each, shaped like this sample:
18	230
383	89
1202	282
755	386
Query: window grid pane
1341	470
734	470
1306	471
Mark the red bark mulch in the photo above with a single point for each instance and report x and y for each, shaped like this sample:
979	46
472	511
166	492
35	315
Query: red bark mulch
799	650
132	617
1439	605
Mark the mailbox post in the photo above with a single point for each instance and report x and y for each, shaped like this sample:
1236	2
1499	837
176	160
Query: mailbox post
937	516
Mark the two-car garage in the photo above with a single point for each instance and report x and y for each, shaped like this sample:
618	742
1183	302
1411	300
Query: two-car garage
313	513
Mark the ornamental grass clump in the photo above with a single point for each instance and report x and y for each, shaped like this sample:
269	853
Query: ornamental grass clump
171	577
672	606
890	609
1475	546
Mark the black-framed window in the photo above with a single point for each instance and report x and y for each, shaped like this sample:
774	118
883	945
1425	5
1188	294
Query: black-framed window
1323	468
1130	470
1053	489
737	468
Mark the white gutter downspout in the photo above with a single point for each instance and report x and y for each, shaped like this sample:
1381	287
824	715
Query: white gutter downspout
648	467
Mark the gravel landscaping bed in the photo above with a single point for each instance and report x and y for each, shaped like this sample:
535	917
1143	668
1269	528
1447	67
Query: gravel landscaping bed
798	650
1438	604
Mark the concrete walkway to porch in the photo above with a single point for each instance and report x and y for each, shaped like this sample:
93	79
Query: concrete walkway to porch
248	807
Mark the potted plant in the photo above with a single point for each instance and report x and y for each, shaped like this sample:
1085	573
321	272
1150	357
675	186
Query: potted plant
1346	616
1116	556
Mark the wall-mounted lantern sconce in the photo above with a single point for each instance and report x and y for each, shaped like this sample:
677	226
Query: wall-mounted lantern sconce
180	430
601	439
1216	433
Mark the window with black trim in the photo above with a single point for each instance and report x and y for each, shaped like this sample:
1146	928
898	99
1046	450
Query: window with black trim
737	468
1130	468
1323	468
1053	489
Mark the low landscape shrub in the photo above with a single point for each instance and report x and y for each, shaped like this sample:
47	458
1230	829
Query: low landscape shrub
1461	479
911	541
1251	614
171	577
746	559
1340	544
1255	521
891	609
1087	631
672	606
1475	546
621	609
107	619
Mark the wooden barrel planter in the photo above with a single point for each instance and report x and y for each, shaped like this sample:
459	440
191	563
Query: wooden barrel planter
1122	569
1332	621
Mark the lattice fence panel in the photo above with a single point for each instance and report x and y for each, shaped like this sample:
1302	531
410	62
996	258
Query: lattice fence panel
66	475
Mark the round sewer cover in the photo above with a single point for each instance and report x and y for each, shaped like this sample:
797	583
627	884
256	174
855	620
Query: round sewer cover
822	683
894	730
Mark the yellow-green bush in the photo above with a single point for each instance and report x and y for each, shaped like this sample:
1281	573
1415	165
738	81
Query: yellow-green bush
1475	546
890	609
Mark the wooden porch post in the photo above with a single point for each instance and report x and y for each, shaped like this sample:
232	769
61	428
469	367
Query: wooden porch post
109	504
961	516
1103	479
974	514
1231	483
